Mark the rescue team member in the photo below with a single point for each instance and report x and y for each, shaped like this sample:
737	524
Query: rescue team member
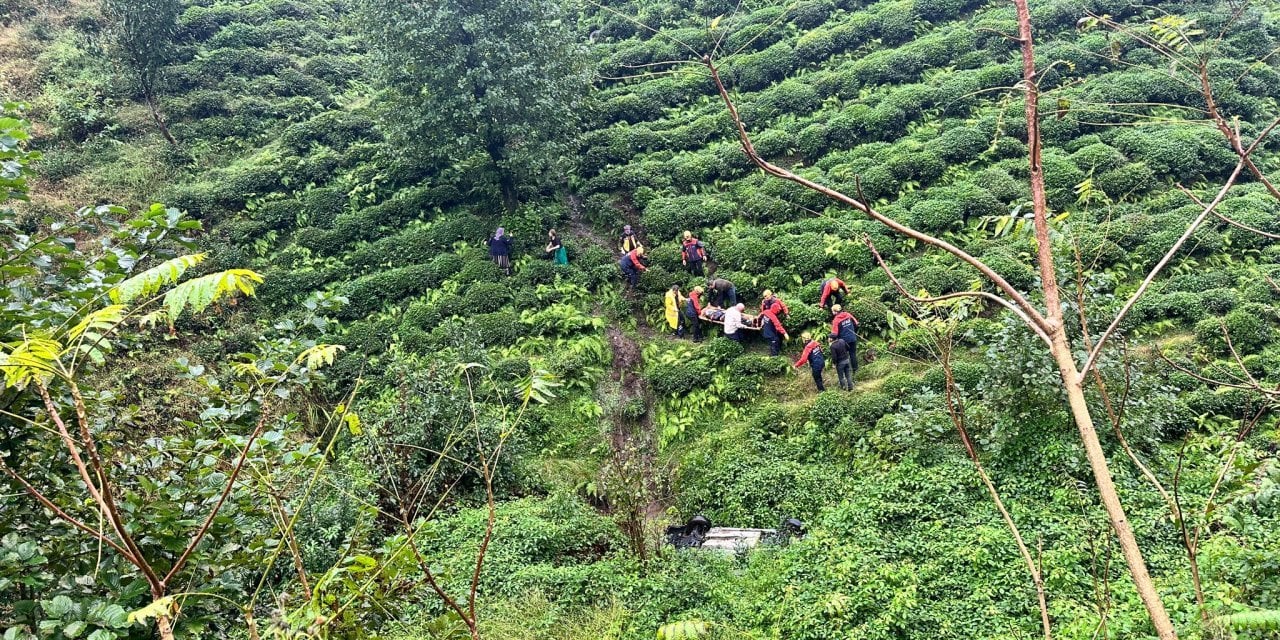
773	331
842	354
724	291
733	322
555	248
833	292
632	266
500	250
693	312
671	309
629	241
812	354
845	326
692	254
774	303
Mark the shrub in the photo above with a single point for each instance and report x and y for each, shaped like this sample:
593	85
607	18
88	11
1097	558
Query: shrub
759	70
961	144
666	217
1219	301
899	385
915	342
816	46
867	408
1060	179
756	364
1097	158
1246	326
678	379
830	410
478	269
321	206
809	14
496	329
937	215
721	351
486	297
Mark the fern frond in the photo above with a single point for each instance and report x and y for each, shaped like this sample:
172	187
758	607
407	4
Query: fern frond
30	360
201	292
683	630
101	320
1264	620
318	356
149	282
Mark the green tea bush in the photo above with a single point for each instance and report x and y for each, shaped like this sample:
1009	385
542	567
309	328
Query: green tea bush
1248	328
678	379
1123	182
936	216
867	408
756	364
1097	158
478	268
1061	176
721	351
915	342
502	328
667	217
1219	301
753	37
756	71
830	410
368	293
486	297
961	144
816	45
898	386
338	129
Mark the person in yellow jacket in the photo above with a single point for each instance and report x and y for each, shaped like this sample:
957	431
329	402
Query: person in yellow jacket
671	309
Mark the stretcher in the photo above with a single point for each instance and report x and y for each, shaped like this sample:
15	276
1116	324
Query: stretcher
715	315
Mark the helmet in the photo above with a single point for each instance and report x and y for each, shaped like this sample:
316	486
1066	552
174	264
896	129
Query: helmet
806	336
640	252
688	235
837	308
768	293
699	289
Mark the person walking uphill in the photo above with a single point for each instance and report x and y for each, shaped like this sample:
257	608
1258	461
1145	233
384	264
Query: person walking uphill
555	248
632	266
726	294
833	292
693	312
693	254
773	331
629	240
845	325
733	322
812	354
842	353
500	249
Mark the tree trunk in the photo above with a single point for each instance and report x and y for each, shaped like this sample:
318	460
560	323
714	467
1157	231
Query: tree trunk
1107	489
510	193
155	115
165	627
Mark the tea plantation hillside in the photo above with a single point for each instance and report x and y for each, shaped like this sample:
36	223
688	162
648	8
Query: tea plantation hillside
548	421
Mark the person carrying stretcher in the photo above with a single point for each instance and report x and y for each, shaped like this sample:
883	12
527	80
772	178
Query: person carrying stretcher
772	330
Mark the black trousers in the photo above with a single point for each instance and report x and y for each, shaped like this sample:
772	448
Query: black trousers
689	320
817	378
775	345
695	268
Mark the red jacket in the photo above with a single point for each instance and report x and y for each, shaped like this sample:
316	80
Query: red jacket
695	299
776	304
830	287
777	324
841	317
635	260
804	355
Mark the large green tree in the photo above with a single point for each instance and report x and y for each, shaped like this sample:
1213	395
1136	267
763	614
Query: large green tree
502	81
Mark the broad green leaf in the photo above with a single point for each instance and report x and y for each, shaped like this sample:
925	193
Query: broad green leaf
150	282
201	292
101	320
319	356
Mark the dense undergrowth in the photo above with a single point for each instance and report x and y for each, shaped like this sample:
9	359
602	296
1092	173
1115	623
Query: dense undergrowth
283	159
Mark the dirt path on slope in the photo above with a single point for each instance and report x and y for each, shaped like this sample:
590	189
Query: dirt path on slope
639	484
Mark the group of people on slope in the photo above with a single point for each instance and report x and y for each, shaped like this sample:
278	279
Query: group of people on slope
501	244
693	255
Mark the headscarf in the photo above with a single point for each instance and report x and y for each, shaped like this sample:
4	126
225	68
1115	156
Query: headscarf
499	233
626	228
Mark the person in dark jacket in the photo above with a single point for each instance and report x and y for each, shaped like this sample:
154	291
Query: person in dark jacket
812	354
724	292
842	353
500	250
844	324
772	330
632	266
693	312
693	254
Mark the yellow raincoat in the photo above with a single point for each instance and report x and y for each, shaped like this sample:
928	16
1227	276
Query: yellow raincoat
673	309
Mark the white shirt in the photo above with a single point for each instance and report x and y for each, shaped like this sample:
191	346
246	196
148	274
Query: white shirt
732	320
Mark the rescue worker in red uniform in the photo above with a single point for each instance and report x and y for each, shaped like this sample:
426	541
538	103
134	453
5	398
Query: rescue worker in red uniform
833	292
